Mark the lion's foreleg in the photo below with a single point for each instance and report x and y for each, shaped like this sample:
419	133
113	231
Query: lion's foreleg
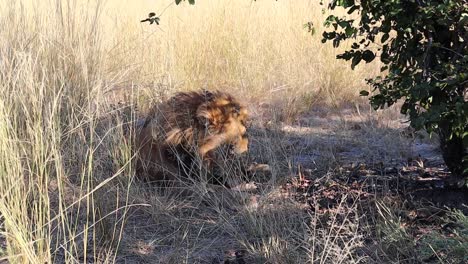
209	144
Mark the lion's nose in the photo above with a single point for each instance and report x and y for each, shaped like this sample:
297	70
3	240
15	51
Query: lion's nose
243	130
238	151
241	147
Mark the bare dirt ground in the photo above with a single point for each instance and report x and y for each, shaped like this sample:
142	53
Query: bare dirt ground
333	175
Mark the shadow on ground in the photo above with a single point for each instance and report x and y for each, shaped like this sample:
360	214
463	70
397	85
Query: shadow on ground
338	174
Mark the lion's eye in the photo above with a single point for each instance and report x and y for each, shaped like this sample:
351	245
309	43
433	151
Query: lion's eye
236	110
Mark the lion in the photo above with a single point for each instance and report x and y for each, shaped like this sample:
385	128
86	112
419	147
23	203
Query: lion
180	137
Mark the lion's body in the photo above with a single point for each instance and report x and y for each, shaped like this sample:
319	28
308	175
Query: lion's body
187	128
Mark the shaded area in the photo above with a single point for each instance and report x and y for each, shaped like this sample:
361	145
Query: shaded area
325	176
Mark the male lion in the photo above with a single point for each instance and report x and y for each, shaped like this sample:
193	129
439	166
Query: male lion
180	136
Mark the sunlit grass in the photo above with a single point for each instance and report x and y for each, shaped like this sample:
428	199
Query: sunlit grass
65	157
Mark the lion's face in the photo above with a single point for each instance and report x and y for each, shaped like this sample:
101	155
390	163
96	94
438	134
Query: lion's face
236	128
225	122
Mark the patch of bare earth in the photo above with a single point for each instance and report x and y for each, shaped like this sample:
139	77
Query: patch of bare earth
320	193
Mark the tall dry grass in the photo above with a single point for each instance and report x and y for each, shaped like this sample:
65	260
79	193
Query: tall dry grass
62	147
256	48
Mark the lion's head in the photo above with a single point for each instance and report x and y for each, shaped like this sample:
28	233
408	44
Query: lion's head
223	120
192	124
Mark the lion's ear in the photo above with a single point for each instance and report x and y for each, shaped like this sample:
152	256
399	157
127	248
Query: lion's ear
204	117
204	121
207	95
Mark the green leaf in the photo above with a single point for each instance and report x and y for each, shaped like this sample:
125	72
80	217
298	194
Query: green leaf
352	9
356	59
343	24
418	122
345	3
328	20
329	35
465	139
384	37
349	31
386	26
368	56
345	56
364	93
336	42
178	1
463	20
192	2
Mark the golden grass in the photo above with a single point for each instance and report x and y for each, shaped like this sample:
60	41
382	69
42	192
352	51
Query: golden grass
258	48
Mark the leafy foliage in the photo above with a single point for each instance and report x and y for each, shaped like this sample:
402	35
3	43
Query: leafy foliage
423	45
152	18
